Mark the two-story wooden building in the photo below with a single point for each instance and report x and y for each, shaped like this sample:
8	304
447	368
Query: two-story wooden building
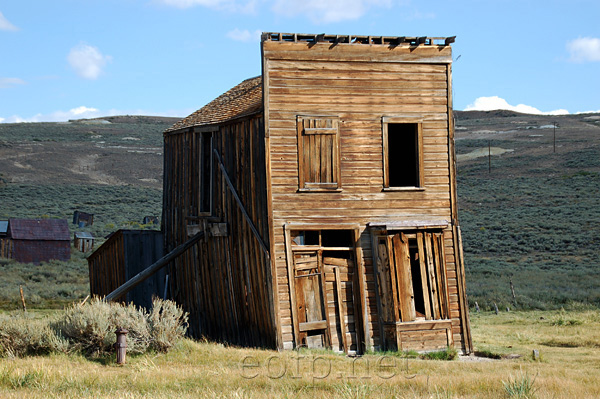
327	191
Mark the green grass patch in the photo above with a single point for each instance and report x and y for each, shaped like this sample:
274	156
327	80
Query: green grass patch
446	354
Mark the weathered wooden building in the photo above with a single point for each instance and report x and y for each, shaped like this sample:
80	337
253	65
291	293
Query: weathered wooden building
38	240
5	242
123	255
327	191
150	220
83	219
83	241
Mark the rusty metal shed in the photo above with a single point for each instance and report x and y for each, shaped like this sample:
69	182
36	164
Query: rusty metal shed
39	240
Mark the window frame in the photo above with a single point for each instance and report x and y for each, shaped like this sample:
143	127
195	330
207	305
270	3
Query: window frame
433	279
308	186
385	122
202	163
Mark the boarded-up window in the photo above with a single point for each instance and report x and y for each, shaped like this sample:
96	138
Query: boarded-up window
402	153
412	277
318	153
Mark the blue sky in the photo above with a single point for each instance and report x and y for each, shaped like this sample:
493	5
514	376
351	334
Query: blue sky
69	59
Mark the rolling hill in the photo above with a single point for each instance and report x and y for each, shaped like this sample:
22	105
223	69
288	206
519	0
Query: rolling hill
529	213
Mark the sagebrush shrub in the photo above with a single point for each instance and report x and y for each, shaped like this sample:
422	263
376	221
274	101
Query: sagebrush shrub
135	321
21	335
90	329
168	324
87	327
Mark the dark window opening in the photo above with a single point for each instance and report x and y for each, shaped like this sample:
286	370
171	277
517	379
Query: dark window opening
336	238
403	154
338	254
206	173
308	237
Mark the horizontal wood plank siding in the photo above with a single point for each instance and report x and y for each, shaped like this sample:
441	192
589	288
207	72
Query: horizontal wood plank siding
359	86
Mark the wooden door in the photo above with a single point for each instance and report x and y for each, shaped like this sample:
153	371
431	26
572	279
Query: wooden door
313	324
340	278
406	296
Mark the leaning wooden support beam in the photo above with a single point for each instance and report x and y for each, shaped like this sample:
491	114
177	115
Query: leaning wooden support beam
153	268
261	242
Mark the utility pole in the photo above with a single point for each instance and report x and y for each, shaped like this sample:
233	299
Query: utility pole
489	157
554	123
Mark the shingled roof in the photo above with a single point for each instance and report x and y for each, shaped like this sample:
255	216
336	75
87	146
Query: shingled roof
39	229
243	99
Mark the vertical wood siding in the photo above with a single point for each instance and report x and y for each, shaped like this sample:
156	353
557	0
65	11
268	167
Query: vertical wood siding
107	266
122	256
6	248
223	282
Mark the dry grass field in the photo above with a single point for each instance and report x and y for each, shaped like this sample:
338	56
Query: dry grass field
568	343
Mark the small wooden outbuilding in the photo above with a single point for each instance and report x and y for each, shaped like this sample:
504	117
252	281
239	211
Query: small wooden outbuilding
39	240
83	219
326	189
83	241
150	220
123	255
5	242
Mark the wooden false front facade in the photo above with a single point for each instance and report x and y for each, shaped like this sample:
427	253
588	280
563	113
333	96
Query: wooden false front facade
327	189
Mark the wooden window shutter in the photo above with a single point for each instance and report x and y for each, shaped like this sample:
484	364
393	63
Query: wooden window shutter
318	153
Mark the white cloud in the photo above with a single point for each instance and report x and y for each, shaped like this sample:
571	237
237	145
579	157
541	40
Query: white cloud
584	49
325	11
6	25
1	120
244	35
9	82
87	61
247	6
83	110
495	102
